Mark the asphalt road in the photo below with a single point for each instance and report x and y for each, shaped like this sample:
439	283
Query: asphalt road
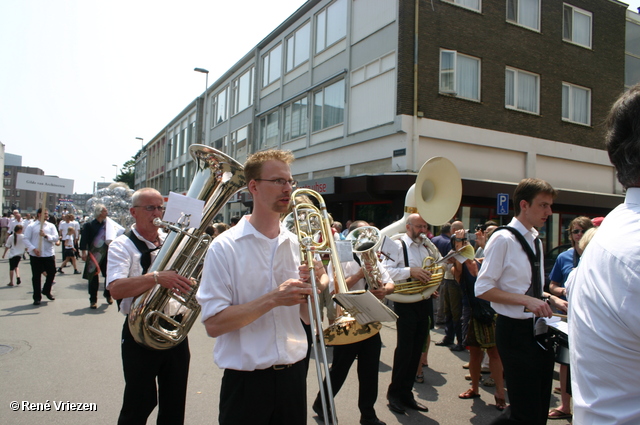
62	352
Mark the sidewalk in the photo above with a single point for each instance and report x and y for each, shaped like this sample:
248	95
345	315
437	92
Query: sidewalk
63	351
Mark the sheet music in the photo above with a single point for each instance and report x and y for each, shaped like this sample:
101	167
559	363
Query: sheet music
365	307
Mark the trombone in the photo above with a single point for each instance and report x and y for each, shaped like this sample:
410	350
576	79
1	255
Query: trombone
313	228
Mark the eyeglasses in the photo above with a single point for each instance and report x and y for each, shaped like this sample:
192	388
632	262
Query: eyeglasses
150	208
279	182
576	231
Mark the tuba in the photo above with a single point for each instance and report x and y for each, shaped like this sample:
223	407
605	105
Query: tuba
366	242
160	319
436	197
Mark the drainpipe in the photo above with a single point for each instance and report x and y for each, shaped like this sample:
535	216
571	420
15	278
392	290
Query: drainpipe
415	139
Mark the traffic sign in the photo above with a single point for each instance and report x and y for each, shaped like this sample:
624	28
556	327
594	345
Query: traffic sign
503	204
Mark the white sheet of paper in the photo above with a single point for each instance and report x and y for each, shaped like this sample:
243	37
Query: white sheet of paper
345	252
388	248
180	204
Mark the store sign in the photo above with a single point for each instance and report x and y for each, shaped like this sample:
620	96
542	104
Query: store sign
324	186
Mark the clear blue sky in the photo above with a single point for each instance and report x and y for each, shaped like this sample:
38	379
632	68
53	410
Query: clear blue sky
81	79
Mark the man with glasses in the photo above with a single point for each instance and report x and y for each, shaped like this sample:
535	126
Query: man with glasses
414	319
128	277
513	284
93	242
253	294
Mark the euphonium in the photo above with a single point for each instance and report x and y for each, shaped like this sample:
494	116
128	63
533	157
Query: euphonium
160	319
366	241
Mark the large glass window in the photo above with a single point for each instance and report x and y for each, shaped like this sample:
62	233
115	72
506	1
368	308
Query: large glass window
328	106
524	12
576	25
295	119
242	89
331	25
219	108
298	47
459	74
522	90
469	4
269	131
272	65
239	140
576	104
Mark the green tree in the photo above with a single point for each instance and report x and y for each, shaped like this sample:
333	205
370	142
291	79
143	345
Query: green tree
127	173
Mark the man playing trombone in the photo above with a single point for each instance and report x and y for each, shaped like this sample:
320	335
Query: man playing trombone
367	351
251	293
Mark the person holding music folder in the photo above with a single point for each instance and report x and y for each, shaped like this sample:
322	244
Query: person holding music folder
130	256
413	318
253	295
604	338
40	238
514	286
366	351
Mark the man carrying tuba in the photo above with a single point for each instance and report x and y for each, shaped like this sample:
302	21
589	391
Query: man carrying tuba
127	278
367	351
414	318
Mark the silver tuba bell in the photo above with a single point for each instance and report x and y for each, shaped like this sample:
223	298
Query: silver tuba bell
160	319
366	242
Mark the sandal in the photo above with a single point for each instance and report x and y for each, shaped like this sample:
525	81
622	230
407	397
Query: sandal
469	394
501	404
420	378
558	414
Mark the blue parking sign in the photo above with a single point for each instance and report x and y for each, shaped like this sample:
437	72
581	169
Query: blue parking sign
503	204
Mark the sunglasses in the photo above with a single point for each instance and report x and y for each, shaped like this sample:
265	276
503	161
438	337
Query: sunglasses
577	231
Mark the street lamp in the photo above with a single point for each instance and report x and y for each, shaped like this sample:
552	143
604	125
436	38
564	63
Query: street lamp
141	143
114	165
204	115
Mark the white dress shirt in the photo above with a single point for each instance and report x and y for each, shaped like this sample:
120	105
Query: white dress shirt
416	252
124	261
604	321
506	267
241	265
32	239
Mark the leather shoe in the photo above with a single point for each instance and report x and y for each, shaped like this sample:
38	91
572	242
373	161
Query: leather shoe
374	421
444	343
412	404
457	348
110	300
48	295
396	406
317	407
36	303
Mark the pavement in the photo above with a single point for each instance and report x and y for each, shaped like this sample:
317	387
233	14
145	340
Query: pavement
62	352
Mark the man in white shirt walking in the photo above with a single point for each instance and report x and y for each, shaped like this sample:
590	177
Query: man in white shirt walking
514	285
604	324
252	294
40	242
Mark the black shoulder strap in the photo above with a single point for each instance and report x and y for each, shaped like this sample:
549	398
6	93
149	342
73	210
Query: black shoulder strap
145	258
406	255
535	289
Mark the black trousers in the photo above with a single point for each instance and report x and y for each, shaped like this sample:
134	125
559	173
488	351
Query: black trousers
266	396
39	265
142	368
528	369
412	329
94	284
368	354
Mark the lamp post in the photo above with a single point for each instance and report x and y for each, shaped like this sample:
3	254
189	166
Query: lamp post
141	142
114	165
204	103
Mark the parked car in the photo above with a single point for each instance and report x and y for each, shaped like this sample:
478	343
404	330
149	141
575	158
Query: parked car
550	260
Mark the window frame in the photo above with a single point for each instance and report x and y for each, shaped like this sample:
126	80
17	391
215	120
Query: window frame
323	90
291	50
456	3
517	20
515	107
575	10
454	91
215	107
305	122
267	61
235	90
328	42
571	104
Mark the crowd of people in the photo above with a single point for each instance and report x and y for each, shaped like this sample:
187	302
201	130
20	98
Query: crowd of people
493	303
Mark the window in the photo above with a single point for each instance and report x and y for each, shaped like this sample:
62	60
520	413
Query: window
470	4
295	119
522	90
189	140
272	65
576	25
242	91
193	131
219	108
524	12
459	75
269	132
331	25
576	104
183	145
221	144
328	106
239	140
298	47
